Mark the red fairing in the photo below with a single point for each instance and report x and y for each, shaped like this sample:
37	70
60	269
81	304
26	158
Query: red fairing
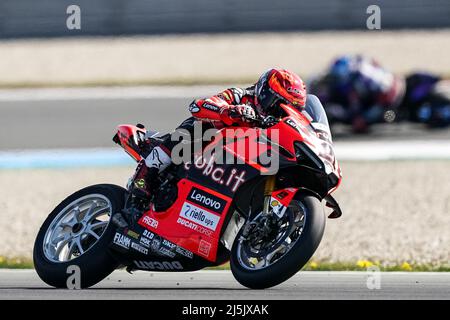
284	196
300	123
128	137
194	221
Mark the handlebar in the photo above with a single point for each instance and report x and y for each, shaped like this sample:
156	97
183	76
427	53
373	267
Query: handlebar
263	122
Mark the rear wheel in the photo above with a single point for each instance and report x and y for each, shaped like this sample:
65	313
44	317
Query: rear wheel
270	250
77	233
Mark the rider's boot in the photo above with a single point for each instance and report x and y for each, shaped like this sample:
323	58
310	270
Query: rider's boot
144	182
141	184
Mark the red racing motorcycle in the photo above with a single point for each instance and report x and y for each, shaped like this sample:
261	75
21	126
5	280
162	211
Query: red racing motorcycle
267	223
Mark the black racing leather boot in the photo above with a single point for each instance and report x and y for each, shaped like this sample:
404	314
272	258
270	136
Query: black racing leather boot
142	184
144	180
141	188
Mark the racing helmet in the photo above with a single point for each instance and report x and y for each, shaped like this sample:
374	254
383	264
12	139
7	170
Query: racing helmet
341	68
277	86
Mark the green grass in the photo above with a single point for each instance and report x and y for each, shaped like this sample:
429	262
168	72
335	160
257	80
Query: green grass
15	263
362	265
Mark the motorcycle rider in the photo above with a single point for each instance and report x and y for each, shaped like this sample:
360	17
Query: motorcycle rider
426	100
357	90
232	107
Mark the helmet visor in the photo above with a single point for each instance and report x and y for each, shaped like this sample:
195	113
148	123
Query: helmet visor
267	98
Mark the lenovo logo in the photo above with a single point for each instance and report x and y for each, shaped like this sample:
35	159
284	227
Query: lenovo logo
207	200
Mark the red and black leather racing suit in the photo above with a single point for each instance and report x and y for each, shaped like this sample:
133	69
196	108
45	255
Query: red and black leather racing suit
214	112
232	106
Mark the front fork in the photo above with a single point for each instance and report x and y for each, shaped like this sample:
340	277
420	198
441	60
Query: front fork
275	202
269	187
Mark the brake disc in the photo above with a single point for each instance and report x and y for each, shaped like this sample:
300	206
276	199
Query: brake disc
253	252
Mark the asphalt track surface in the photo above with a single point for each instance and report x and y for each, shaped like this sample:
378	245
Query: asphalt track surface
91	122
204	285
82	123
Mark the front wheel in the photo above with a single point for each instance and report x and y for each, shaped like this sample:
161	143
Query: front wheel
270	250
77	233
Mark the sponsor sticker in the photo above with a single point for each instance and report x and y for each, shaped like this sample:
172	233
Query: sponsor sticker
168	244
122	240
150	222
184	252
199	216
149	240
148	234
282	195
293	124
166	252
133	234
146	242
233	179
164	247
159	265
277	207
139	248
156	244
194	227
146	238
204	248
211	107
207	200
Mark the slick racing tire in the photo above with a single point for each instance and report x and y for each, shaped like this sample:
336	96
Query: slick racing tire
294	257
72	246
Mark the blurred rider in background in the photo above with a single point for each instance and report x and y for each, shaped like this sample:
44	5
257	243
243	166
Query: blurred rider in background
357	90
427	100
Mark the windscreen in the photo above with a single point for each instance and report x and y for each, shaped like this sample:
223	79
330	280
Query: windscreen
315	109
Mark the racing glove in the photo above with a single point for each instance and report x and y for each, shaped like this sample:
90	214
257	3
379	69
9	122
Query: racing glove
241	115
